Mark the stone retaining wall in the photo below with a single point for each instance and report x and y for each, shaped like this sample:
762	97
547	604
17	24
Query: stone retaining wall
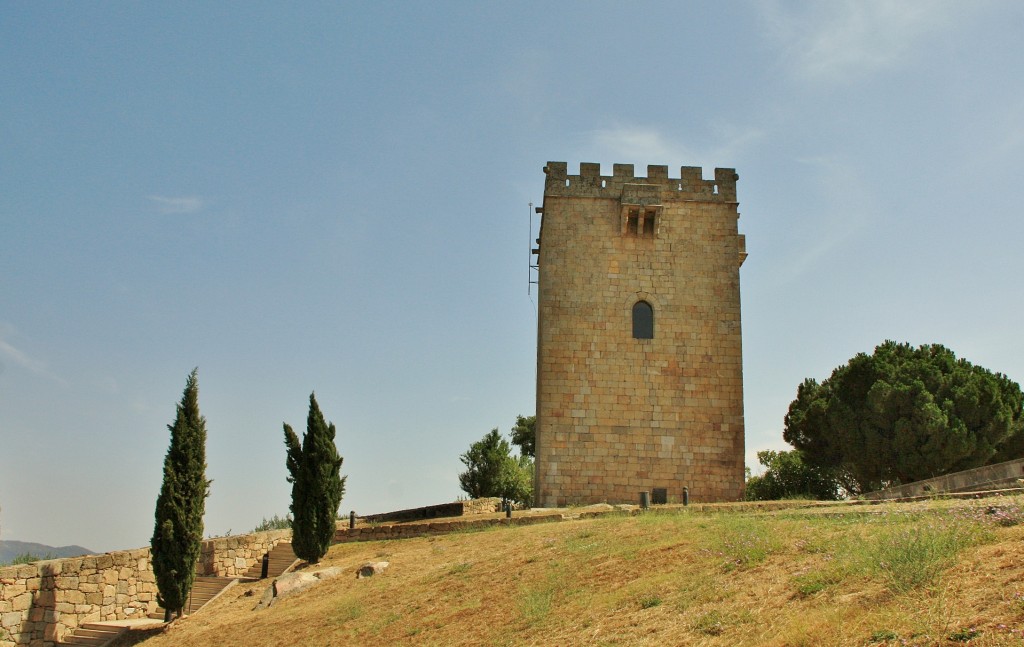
406	531
988	477
42	601
233	556
453	509
384	531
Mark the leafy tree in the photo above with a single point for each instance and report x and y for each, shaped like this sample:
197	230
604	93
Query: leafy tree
491	470
787	476
524	435
317	485
274	523
28	557
904	414
178	531
483	463
516	483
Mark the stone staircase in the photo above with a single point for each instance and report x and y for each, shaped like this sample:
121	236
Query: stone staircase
93	634
204	589
281	560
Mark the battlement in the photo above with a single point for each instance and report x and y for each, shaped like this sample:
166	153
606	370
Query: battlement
690	185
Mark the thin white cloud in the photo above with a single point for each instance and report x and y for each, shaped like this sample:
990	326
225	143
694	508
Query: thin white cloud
526	84
840	39
851	202
851	208
997	136
25	361
20	358
632	142
182	204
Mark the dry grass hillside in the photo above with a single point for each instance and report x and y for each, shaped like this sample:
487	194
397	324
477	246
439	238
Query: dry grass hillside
934	573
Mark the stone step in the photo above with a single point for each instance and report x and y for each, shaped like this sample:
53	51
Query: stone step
95	626
280	559
204	589
92	634
75	638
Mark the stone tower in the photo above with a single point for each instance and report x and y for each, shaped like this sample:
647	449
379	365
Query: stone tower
639	355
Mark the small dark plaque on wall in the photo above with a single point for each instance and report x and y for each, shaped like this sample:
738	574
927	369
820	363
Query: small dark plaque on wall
659	495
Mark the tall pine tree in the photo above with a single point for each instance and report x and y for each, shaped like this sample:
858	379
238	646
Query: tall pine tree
178	532
317	485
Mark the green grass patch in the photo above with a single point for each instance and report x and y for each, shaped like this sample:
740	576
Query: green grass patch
815	582
915	555
964	635
460	568
583	542
535	603
348	611
743	541
650	601
705	588
883	635
711	623
906	551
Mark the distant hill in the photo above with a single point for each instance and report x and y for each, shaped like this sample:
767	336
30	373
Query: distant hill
10	549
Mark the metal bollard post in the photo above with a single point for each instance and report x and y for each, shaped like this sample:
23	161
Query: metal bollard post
645	499
686	496
266	566
351	520
508	509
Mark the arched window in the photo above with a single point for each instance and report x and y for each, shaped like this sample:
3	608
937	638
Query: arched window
643	320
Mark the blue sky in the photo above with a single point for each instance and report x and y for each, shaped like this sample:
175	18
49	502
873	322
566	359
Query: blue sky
334	197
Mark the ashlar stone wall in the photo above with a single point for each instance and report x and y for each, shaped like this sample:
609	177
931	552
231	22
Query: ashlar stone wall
453	509
42	601
618	414
233	556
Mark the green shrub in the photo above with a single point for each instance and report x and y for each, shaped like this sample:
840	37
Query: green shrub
914	556
274	523
28	558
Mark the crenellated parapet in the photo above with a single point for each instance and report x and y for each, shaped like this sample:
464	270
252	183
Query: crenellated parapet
689	186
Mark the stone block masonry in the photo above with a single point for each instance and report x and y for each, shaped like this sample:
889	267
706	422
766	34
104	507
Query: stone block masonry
639	354
232	556
988	477
43	601
454	509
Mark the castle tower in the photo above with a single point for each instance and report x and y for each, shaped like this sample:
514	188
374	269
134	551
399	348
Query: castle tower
639	356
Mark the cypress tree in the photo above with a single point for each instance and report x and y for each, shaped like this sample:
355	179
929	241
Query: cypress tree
317	485
178	532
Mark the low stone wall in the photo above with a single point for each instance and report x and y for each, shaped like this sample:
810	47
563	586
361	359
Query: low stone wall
481	506
233	556
384	531
40	602
406	531
453	509
988	477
